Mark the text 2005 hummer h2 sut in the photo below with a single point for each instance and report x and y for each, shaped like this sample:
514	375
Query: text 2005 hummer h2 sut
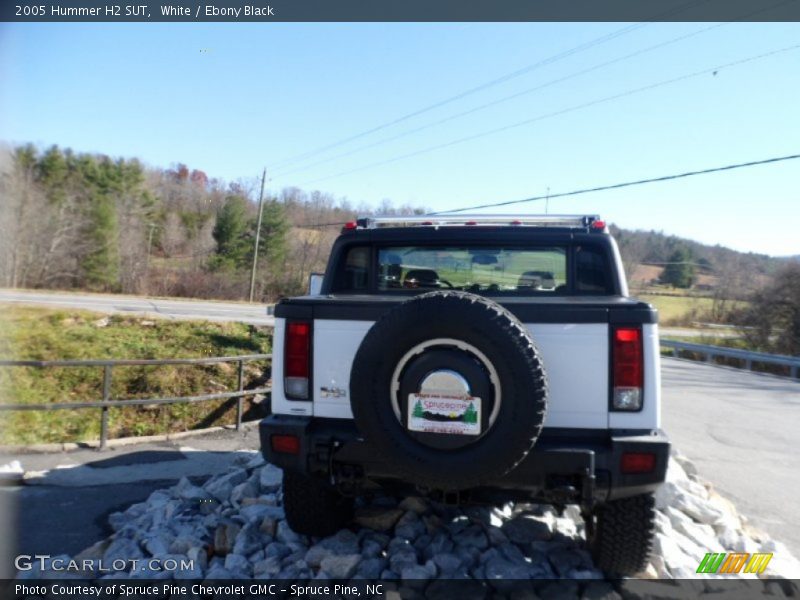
472	359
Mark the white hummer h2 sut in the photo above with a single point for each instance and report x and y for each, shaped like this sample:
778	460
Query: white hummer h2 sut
472	359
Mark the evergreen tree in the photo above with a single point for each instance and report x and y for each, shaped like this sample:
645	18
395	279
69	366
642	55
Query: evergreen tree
272	245
232	233
100	264
679	271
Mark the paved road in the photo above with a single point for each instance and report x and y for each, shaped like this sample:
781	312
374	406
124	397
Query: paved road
155	307
742	430
204	309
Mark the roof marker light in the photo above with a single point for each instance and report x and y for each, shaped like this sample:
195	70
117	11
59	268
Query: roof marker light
598	225
350	225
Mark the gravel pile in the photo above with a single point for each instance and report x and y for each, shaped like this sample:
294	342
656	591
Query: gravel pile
234	527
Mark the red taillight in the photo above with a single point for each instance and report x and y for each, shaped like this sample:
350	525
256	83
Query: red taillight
471	223
297	359
628	368
637	462
598	224
285	444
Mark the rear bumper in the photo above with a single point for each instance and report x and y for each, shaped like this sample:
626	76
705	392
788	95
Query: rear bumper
565	466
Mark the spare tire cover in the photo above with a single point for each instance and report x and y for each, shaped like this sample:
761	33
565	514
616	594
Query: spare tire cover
450	389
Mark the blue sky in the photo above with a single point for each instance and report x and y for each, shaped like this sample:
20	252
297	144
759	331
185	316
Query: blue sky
230	98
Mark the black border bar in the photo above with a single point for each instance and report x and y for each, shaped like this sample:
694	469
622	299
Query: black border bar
400	10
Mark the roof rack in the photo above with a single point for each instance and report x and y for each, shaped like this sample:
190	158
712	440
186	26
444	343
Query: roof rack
591	222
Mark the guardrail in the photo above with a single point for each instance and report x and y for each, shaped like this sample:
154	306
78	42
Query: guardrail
746	356
107	402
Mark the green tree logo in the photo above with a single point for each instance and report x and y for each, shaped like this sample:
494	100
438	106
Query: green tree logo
418	412
471	415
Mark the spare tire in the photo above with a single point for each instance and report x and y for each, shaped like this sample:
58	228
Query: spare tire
450	389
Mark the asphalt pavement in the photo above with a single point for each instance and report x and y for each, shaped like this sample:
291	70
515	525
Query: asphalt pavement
741	431
163	308
177	308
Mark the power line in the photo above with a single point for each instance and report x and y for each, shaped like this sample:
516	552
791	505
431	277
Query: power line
464	94
617	186
529	91
624	94
501	100
486	85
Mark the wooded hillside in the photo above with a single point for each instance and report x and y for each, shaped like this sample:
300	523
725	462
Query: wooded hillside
83	221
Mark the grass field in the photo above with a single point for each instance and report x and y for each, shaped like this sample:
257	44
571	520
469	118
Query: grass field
56	334
678	310
682	310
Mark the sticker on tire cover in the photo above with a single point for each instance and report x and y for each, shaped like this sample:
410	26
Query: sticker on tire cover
436	413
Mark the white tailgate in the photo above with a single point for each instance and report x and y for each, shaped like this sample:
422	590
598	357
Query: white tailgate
575	358
576	363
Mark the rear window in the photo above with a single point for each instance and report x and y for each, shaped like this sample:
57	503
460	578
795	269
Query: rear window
353	275
474	269
591	271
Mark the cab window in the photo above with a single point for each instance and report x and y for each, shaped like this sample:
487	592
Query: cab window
353	274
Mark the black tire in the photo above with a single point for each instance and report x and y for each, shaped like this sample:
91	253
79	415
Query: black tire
312	507
505	343
623	535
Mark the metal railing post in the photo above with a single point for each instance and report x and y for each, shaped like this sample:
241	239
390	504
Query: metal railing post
104	414
240	399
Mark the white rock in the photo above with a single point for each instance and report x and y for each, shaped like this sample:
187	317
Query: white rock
340	567
660	567
694	488
702	535
662	522
727	536
784	566
727	522
700	510
688	466
693	551
257	460
668	549
414	503
270	478
745	543
775	547
566	526
14	467
675	472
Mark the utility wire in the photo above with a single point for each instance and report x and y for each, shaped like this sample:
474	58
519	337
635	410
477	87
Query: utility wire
478	88
605	99
488	84
501	100
529	90
617	186
602	188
